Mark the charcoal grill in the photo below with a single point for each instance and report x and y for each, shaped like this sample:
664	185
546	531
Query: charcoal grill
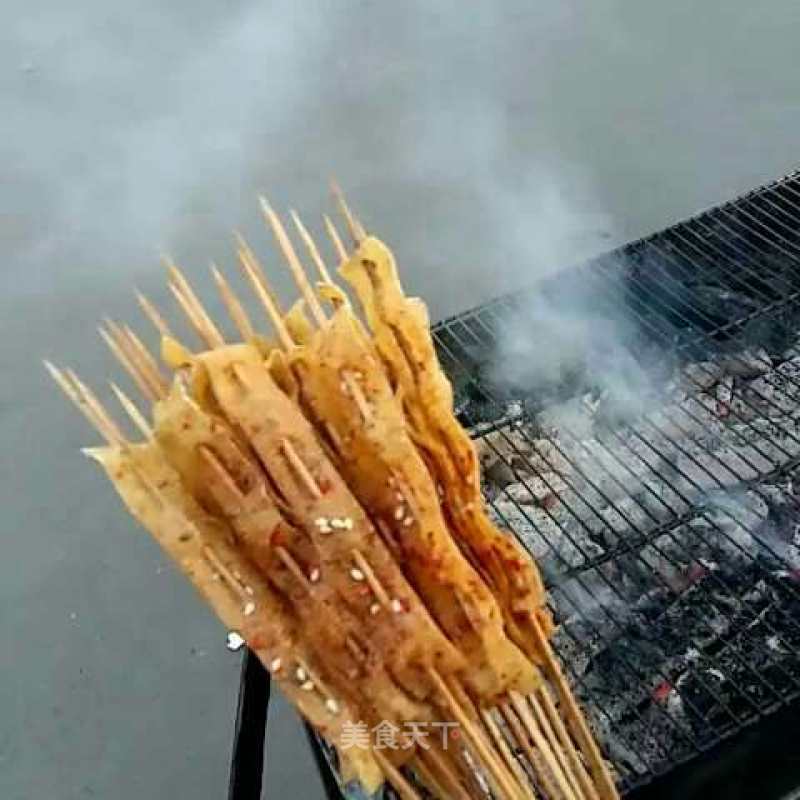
667	523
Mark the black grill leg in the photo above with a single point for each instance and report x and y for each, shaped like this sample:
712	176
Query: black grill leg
329	782
247	759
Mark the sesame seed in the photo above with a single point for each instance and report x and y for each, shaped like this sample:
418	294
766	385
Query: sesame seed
234	642
397	606
275	665
325	529
356	574
313	576
375	609
301	674
332	705
249	590
399	513
348	523
308	686
408	521
337	523
321	522
249	608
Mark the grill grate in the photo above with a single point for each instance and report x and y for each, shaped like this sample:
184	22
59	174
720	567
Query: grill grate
667	525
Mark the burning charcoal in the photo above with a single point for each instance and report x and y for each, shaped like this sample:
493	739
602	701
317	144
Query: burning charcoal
748	364
724	395
498	473
701	375
537	490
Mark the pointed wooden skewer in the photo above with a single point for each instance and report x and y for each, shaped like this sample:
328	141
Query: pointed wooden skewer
235	309
395	777
444	772
92	402
311	246
357	394
297	571
313	252
194	320
295	267
357	232
208	329
502	745
371	578
575	719
560	752
152	313
149	366
131	359
71	392
267	300
300	469
543	746
336	240
568	745
542	773
132	411
246	252
431	783
230	579
498	774
127	365
224	480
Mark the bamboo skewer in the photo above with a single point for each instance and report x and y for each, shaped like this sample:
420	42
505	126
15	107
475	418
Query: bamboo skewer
502	745
311	246
431	783
300	469
110	433
575	719
543	746
131	358
566	742
336	240
445	773
353	225
149	366
556	745
543	776
268	301
152	313
208	330
246	252
371	578
400	784
132	411
298	273
235	309
499	775
127	365
294	568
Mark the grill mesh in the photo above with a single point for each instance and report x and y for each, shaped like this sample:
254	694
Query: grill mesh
670	536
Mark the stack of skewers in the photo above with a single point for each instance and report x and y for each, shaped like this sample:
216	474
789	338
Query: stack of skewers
316	488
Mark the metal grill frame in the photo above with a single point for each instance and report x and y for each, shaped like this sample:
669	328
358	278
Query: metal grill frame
765	219
741	235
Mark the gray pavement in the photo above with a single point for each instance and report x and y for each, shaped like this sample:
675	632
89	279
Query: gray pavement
487	142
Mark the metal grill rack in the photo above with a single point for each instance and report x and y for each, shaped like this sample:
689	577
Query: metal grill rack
667	526
669	537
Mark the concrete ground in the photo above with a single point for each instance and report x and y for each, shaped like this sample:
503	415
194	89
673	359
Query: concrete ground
486	142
